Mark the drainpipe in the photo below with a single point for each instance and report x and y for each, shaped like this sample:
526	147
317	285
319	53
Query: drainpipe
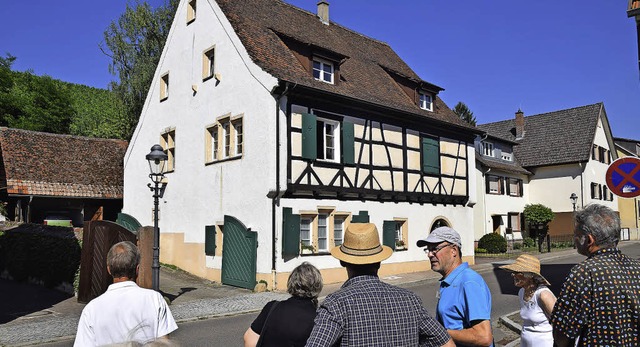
582	183
275	200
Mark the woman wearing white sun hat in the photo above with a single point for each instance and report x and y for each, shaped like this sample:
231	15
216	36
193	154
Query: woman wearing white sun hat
536	301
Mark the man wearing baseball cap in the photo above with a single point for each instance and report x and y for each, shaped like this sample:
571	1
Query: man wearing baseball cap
367	311
464	300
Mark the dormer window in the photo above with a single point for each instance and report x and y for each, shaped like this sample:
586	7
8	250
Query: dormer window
323	70
487	149
426	102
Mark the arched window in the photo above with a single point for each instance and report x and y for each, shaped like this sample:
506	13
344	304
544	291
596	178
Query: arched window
439	223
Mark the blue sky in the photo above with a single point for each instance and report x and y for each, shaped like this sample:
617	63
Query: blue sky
494	55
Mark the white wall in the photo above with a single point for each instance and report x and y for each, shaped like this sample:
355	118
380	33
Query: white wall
419	219
199	194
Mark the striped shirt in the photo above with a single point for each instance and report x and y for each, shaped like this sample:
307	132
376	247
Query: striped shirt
369	312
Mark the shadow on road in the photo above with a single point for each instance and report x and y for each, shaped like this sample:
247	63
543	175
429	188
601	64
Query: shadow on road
23	299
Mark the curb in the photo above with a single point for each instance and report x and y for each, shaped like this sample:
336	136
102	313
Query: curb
513	326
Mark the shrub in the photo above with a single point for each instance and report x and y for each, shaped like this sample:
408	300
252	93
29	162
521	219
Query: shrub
537	214
40	253
481	250
517	245
493	243
529	242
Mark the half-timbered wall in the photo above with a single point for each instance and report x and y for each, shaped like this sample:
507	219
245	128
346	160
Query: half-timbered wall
376	160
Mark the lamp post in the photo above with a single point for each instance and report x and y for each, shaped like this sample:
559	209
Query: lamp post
574	200
157	158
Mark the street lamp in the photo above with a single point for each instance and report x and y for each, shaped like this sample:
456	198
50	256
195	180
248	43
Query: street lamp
157	158
574	200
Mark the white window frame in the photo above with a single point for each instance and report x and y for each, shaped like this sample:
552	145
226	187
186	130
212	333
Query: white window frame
507	156
487	149
497	180
226	138
517	185
238	136
322	74
306	225
335	136
323	232
426	101
338	231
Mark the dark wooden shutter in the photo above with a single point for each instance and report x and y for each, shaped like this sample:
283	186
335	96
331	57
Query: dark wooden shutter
210	240
430	156
290	233
501	185
389	234
520	188
348	150
508	185
487	183
309	136
361	217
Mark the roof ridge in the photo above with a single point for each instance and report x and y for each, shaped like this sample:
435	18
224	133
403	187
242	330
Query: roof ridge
44	133
545	113
625	139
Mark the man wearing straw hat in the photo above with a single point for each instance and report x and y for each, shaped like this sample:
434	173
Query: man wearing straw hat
464	300
599	304
367	311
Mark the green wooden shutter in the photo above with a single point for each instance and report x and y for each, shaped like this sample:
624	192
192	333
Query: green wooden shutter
348	150
430	156
210	240
309	136
389	234
290	233
361	217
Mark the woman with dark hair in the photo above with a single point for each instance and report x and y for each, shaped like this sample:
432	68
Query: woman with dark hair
536	301
289	322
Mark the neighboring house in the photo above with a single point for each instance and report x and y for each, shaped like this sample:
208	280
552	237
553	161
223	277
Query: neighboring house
629	207
566	151
44	174
283	127
502	188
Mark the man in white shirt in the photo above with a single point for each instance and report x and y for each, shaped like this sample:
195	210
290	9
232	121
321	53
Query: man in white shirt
125	312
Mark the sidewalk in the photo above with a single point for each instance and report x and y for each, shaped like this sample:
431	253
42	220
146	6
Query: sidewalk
54	316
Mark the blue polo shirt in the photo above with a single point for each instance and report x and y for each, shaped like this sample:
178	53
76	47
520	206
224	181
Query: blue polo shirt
464	297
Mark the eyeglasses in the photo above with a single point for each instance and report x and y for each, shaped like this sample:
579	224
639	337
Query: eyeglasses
435	250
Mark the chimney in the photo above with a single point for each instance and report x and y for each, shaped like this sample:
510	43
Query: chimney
323	12
519	124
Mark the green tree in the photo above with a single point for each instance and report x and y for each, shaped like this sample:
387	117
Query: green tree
134	42
38	103
463	111
538	214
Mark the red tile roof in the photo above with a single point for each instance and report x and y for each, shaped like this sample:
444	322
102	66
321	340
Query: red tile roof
37	163
263	26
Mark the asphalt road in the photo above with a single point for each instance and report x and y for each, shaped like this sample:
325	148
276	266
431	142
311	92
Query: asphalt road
228	331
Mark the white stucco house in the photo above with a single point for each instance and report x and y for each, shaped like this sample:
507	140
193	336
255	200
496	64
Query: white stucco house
566	152
282	127
502	188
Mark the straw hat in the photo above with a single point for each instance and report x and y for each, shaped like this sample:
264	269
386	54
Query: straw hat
361	245
527	263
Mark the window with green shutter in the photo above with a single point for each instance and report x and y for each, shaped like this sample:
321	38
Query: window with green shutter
210	240
430	155
309	136
361	217
348	150
290	233
389	232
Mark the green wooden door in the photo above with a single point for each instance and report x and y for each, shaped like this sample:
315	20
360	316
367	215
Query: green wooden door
239	252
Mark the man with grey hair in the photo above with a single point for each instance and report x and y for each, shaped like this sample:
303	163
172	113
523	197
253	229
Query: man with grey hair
464	300
125	312
600	299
